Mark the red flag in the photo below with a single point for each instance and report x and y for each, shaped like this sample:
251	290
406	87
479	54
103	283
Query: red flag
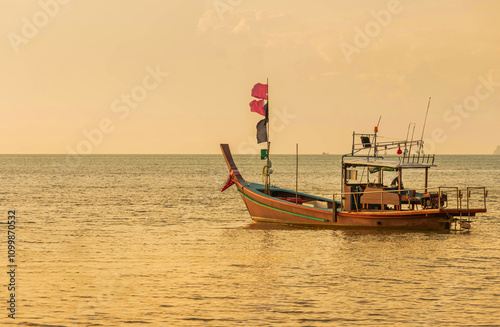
258	107
259	91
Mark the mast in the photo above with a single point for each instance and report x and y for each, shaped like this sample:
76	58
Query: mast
268	176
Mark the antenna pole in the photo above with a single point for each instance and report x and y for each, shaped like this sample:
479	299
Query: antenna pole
423	128
407	133
411	142
375	137
407	152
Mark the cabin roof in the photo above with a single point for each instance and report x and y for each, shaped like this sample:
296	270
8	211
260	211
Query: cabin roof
385	163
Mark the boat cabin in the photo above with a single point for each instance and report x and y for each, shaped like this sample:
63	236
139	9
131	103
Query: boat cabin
375	183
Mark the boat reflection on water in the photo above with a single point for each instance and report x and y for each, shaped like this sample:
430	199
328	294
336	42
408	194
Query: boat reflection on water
345	230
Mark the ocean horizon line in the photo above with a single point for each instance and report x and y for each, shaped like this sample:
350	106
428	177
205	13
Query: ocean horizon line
209	154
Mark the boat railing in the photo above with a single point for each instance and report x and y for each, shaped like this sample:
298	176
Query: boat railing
475	197
418	158
443	197
369	142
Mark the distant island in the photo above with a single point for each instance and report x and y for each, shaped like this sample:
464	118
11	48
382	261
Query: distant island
497	151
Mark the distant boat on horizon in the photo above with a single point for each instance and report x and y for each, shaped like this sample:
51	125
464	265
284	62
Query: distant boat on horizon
497	151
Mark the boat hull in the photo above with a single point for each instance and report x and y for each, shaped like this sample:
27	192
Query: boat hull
264	208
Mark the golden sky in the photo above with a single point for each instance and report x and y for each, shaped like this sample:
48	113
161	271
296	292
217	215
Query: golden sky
165	76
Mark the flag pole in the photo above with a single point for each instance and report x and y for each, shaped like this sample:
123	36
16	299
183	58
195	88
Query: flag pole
268	177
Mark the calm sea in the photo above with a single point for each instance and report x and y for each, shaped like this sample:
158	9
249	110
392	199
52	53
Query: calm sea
149	240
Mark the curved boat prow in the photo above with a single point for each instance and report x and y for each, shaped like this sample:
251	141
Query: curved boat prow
233	170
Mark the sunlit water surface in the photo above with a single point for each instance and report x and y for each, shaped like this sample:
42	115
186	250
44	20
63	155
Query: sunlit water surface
149	240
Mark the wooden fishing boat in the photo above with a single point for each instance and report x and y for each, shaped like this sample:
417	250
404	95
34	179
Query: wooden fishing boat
363	203
366	199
